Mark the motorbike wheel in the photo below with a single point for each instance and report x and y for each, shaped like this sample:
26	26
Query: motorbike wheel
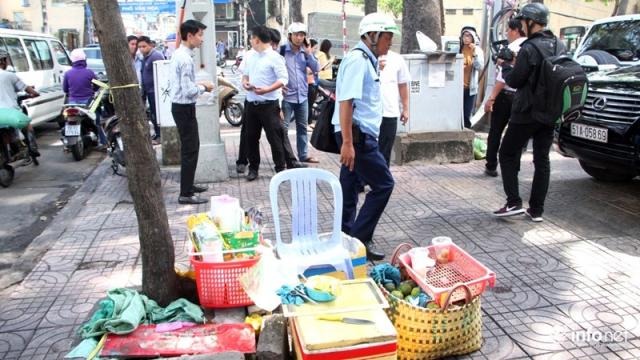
6	176
222	63
77	150
233	113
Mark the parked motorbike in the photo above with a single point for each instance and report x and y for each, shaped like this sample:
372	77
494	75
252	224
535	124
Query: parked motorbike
115	145
232	109
80	130
326	93
236	65
14	148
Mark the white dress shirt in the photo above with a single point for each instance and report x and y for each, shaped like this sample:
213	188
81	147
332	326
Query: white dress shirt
263	69
184	89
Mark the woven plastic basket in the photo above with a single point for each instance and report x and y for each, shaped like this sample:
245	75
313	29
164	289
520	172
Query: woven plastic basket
435	333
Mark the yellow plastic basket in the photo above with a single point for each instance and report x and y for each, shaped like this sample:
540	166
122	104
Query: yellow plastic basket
435	333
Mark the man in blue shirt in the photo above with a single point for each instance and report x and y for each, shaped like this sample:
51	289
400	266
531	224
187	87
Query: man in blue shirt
357	124
298	55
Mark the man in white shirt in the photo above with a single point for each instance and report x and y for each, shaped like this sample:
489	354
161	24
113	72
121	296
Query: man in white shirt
265	74
394	85
499	102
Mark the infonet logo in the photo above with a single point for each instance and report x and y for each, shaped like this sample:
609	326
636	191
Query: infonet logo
600	103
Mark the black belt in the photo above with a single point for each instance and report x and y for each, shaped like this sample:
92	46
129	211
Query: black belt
264	102
508	92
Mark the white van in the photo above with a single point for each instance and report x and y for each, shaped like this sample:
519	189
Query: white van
39	60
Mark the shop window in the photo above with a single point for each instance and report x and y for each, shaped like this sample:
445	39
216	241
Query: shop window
450	11
467	11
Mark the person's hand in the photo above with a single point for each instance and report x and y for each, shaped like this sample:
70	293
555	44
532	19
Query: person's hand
499	62
260	90
248	86
472	46
488	106
348	156
404	117
208	85
285	90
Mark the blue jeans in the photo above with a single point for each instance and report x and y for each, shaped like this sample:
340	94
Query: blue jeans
299	113
371	167
468	107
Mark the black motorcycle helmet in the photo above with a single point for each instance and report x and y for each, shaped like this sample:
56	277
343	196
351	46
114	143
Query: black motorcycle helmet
536	12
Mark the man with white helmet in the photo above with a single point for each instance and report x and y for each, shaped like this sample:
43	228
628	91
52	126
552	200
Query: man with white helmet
298	56
357	124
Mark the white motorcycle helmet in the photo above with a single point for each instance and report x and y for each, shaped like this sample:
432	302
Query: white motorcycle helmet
297	27
378	23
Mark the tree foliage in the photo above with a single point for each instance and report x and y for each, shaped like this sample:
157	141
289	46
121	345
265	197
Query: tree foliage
391	6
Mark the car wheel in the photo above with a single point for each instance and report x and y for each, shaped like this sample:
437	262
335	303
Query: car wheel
606	175
601	57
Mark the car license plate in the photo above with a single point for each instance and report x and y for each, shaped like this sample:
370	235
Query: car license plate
72	130
589	132
120	143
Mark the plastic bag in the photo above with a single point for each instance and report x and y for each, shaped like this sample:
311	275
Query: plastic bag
10	117
479	149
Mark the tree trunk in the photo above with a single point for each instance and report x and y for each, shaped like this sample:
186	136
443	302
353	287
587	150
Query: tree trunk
295	11
370	6
143	172
423	15
626	7
275	11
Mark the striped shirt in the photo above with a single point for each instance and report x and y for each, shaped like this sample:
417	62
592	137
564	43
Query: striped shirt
184	89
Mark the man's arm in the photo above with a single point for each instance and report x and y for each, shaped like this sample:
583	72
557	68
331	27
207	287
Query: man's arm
488	105
403	89
347	152
312	62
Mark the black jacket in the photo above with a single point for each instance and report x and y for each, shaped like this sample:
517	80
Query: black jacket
523	76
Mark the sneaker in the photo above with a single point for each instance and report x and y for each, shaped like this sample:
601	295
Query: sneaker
534	218
489	172
509	211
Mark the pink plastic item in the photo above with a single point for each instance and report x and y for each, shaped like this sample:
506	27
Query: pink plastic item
461	268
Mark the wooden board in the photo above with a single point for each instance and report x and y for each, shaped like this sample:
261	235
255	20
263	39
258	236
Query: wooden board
356	295
317	334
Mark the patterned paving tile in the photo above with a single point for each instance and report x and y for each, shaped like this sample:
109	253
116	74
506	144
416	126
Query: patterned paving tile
75	239
496	344
527	260
539	331
122	216
49	343
605	315
23	314
562	286
627	349
497	239
12	344
84	289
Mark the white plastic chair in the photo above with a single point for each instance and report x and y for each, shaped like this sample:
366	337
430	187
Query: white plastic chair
306	249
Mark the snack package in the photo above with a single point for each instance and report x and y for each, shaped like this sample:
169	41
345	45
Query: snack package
205	237
238	241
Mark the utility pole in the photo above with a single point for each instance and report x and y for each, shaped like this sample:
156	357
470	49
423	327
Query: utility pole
45	19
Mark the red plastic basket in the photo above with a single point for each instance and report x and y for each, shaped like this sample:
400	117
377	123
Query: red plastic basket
462	268
218	284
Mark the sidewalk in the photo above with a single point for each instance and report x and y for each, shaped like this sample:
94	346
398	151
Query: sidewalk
558	282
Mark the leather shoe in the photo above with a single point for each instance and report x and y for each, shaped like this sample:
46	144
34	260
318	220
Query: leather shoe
311	160
490	172
373	254
199	189
241	168
297	165
191	200
252	175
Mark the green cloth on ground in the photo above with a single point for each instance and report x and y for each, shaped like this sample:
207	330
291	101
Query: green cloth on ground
124	310
83	349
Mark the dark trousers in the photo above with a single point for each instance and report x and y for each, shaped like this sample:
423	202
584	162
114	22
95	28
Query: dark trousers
185	117
372	169
468	101
516	137
499	120
267	116
312	95
387	136
151	98
243	157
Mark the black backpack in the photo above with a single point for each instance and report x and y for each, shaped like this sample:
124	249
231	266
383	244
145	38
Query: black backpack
561	89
